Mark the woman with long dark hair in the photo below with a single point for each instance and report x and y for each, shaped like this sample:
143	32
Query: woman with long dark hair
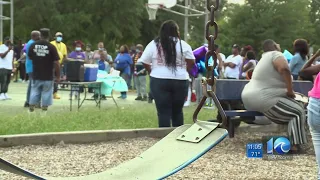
171	59
301	50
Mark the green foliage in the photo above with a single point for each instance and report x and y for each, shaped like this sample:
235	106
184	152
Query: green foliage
131	114
252	23
113	22
117	22
315	19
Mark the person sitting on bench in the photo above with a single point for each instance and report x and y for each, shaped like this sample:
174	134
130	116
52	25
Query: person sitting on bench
247	69
270	92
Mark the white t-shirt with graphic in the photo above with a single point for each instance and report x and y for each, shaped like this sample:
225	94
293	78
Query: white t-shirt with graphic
233	72
6	62
159	69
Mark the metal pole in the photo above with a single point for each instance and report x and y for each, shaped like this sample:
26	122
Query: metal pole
1	23
205	20
182	14
11	20
186	20
194	10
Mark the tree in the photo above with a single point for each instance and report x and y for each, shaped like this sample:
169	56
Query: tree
196	24
117	22
255	21
113	22
315	19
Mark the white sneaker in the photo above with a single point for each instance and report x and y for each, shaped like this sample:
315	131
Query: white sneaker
6	96
186	104
2	97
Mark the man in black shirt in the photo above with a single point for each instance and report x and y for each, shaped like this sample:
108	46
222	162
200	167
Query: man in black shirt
45	60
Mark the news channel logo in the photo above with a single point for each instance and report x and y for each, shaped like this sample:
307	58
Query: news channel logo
280	145
277	148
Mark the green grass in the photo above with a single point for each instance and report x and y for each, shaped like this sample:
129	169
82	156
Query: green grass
14	119
140	115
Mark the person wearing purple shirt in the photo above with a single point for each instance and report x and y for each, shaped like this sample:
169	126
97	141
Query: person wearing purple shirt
24	47
76	54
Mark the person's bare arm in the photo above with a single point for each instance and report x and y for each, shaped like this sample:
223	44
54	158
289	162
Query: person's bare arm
220	61
110	63
147	67
281	65
311	71
13	68
311	60
3	55
22	56
230	64
247	66
64	59
190	64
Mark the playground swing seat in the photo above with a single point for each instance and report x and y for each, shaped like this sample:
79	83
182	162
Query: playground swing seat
171	154
174	152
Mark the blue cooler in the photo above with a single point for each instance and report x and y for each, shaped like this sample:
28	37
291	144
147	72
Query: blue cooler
90	72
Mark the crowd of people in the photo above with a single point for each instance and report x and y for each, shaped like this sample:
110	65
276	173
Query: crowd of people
16	62
169	61
125	62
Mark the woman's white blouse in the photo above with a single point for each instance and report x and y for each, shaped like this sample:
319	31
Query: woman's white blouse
159	69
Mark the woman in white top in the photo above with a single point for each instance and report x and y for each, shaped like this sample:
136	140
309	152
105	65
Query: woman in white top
248	67
170	58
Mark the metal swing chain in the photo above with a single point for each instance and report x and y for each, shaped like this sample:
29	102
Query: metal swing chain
208	82
211	38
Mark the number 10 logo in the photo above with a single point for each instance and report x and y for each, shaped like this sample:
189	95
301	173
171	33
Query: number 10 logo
281	145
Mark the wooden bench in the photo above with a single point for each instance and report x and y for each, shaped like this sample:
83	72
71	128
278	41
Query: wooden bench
229	92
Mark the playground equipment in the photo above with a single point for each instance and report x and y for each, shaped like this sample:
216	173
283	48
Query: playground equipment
2	18
165	158
174	152
153	5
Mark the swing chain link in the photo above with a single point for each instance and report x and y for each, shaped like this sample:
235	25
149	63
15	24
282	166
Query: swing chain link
208	82
211	38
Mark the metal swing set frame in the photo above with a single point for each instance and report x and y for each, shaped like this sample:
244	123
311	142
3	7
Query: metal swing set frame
174	152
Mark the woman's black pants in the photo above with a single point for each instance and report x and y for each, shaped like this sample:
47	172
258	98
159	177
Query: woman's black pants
169	96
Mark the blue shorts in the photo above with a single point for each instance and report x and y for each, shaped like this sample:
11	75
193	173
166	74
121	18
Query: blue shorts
41	90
